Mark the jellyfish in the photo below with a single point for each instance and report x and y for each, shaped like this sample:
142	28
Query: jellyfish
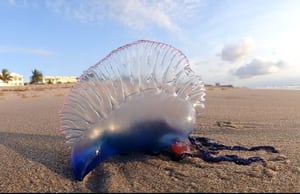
142	97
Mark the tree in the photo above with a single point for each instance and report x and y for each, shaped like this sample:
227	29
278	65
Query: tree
5	76
36	77
49	81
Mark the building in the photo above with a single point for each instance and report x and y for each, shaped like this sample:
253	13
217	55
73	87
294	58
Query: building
17	80
59	79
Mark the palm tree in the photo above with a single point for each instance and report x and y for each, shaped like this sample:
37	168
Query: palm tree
36	77
5	76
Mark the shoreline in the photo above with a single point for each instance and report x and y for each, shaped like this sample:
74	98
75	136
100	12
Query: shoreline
41	87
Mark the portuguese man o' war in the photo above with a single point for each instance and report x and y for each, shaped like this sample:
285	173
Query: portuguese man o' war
142	97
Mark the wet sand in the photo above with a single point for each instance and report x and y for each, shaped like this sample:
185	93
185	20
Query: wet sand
34	157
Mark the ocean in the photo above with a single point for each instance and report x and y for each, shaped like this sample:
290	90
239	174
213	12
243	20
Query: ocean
283	87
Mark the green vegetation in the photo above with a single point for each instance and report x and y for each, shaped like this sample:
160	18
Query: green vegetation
5	76
49	82
37	77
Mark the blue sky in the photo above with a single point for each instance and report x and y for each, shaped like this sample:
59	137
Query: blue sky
244	43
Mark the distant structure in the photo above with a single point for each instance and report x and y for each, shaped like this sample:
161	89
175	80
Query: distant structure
59	79
17	80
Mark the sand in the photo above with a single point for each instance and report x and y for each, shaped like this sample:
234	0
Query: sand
34	157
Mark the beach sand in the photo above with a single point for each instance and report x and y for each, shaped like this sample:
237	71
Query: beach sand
35	158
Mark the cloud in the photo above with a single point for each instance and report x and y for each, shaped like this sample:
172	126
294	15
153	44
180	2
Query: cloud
40	52
12	2
259	67
235	52
136	14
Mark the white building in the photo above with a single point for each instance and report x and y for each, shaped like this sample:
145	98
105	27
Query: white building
2	83
17	80
59	79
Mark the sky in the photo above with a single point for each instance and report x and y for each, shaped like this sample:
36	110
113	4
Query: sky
250	43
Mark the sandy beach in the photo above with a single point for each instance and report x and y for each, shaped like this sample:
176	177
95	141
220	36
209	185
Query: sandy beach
35	158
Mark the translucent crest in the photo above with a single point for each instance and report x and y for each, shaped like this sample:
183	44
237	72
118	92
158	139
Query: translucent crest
138	68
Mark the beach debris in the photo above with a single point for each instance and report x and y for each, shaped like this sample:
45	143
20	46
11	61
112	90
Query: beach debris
142	96
227	125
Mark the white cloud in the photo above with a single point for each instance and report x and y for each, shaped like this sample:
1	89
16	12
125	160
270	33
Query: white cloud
137	14
12	2
9	49
211	70
259	67
236	52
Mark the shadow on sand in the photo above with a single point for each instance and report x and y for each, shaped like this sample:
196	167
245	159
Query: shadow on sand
51	152
44	149
100	179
